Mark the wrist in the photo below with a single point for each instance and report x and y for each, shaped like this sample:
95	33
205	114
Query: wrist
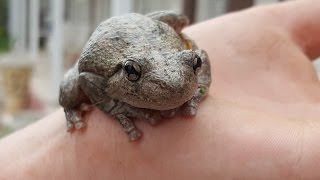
45	148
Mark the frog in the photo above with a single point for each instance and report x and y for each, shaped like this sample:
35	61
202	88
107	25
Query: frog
137	67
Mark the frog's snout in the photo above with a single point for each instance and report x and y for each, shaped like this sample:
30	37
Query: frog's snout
171	90
168	84
171	80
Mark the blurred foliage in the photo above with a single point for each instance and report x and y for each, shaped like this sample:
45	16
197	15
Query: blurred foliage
4	40
5	131
3	13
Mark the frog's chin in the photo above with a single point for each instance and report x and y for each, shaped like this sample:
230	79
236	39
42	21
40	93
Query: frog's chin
159	108
162	105
166	107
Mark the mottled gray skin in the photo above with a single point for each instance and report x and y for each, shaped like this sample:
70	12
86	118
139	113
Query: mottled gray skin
170	74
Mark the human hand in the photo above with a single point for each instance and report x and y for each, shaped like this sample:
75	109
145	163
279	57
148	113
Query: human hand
258	122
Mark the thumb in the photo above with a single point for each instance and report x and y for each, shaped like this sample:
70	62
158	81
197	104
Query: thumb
302	20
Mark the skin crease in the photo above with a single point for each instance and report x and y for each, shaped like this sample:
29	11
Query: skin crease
260	120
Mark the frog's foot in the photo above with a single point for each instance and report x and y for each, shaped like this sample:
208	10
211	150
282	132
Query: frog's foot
190	107
129	127
169	113
75	117
152	117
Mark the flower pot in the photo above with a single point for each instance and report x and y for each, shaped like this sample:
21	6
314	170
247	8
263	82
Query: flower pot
15	80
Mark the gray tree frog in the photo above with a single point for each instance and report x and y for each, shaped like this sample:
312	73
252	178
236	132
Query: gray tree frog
137	67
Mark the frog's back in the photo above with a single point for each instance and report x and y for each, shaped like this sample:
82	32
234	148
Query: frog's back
118	38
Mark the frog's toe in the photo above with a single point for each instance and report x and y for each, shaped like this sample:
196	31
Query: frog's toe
189	111
129	127
74	119
85	107
169	113
134	135
80	125
154	119
70	126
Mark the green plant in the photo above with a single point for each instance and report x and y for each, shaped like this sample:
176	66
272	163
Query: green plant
4	39
5	131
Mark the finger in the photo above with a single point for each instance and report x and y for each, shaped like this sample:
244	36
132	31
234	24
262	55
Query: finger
302	20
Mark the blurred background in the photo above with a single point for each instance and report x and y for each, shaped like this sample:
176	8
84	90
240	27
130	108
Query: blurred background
41	39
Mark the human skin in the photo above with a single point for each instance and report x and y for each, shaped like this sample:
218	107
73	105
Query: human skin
260	120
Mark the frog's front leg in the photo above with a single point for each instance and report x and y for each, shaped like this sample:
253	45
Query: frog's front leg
74	116
124	112
129	127
204	81
94	86
73	100
150	116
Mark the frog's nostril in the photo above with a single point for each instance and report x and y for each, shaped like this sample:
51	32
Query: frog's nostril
187	54
160	83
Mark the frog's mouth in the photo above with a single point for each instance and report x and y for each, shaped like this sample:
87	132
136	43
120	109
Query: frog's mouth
159	94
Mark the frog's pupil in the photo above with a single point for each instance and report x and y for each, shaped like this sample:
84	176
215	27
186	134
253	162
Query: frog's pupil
132	72
130	69
197	63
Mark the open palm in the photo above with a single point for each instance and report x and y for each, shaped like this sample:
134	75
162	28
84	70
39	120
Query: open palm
260	120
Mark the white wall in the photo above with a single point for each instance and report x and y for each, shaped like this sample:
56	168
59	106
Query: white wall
146	6
207	9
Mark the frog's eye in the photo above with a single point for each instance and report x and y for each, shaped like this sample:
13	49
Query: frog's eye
133	70
197	62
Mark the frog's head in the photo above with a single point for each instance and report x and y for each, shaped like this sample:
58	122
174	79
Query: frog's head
157	81
143	62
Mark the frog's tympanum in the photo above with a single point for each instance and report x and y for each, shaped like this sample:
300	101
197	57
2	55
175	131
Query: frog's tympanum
137	67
